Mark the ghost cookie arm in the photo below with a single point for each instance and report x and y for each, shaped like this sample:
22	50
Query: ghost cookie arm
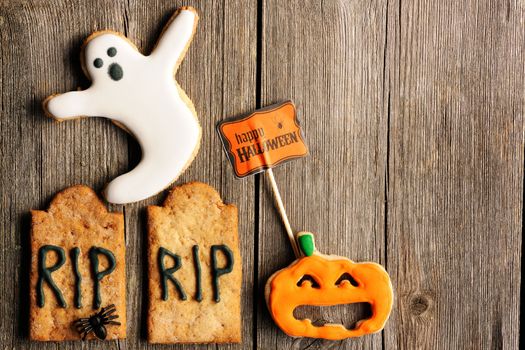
176	38
73	104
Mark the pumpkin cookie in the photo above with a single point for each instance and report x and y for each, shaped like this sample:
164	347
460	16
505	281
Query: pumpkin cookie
324	280
194	268
77	269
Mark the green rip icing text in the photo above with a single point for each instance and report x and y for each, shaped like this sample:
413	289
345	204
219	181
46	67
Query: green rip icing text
45	274
167	273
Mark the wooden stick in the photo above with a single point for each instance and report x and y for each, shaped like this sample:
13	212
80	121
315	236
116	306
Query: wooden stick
282	212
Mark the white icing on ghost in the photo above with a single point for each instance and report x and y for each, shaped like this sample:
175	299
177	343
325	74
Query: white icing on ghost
140	94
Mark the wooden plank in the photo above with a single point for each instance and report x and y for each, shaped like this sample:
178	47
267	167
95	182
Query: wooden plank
218	74
40	51
40	157
441	83
455	181
17	157
88	151
328	57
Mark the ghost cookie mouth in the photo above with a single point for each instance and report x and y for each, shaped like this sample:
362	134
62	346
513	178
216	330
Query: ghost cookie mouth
115	71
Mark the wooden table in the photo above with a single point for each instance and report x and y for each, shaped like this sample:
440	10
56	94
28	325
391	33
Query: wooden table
414	116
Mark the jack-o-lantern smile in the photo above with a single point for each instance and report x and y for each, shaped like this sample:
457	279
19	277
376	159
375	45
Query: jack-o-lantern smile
322	280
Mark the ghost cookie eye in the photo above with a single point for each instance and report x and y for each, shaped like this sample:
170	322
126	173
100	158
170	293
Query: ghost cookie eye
98	63
112	52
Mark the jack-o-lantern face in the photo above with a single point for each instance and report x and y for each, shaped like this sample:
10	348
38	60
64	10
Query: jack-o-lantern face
322	280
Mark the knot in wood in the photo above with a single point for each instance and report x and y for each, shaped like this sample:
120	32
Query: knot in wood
419	304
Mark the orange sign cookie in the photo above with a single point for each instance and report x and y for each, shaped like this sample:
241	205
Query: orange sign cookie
263	139
324	280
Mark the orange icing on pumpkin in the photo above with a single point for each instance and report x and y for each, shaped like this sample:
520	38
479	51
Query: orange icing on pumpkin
285	295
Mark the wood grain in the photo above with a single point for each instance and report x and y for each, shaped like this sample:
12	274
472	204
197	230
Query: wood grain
455	185
226	33
413	112
327	56
40	157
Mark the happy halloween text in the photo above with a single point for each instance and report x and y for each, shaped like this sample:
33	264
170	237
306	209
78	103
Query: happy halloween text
261	145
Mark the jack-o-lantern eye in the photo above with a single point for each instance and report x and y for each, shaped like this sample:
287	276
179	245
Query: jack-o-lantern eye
308	280
346	278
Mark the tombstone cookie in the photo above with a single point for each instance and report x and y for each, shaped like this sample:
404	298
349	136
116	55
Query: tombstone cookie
139	93
194	268
77	283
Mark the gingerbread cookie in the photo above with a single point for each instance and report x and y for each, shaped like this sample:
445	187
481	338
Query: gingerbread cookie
77	269
194	268
139	93
324	280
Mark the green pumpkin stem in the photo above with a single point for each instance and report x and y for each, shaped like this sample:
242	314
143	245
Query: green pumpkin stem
306	243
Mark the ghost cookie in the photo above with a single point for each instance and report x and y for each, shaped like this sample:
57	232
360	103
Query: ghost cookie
325	280
139	93
78	269
194	268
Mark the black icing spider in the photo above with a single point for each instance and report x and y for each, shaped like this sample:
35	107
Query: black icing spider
96	322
